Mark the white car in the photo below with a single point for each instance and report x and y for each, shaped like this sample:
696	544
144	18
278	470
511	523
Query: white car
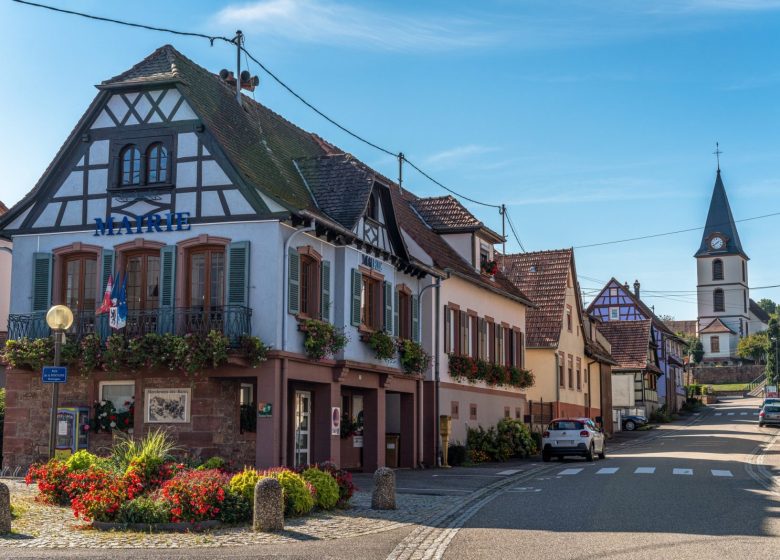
573	436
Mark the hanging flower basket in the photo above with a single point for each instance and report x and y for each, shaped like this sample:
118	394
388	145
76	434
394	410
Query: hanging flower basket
490	268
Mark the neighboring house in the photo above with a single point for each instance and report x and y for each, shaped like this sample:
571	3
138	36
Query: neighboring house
635	377
725	311
6	251
481	316
616	302
599	350
225	218
557	336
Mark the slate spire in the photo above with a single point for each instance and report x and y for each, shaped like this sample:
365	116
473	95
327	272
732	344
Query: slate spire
720	220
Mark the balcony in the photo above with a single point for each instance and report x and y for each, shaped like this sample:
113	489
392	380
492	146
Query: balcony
233	321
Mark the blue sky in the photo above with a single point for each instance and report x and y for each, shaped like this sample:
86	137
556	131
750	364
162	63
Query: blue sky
592	121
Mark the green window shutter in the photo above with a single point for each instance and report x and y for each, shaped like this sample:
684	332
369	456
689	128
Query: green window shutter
325	291
447	327
167	276
416	318
107	271
396	313
388	307
238	273
41	281
293	281
357	288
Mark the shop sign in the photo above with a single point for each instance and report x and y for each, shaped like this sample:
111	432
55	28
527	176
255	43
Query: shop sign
357	441
170	221
335	421
264	410
770	391
371	262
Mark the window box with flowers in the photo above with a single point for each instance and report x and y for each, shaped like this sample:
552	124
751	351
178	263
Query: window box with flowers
473	370
321	340
381	343
414	360
490	268
107	418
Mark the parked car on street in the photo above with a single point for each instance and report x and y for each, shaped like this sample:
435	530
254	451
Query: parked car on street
573	436
631	423
770	414
770	400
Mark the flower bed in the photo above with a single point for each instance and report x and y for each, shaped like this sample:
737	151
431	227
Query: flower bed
139	486
473	370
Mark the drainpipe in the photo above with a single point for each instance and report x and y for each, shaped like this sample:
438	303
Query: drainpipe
437	356
590	392
285	287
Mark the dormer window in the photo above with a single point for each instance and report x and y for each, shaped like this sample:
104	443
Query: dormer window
372	211
131	165
156	163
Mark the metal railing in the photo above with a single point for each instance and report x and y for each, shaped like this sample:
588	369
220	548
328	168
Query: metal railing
233	321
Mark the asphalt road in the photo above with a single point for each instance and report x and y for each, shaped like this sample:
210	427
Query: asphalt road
685	493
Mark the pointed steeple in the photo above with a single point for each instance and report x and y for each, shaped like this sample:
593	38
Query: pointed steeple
720	224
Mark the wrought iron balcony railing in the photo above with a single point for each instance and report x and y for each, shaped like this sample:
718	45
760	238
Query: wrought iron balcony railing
233	321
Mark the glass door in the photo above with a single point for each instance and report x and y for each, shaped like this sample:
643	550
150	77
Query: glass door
302	427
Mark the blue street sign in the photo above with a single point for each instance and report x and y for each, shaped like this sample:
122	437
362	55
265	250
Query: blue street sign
52	374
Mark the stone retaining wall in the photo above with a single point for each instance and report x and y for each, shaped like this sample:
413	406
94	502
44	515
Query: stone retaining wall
727	374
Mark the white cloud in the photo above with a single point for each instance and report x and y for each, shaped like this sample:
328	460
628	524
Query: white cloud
319	22
452	155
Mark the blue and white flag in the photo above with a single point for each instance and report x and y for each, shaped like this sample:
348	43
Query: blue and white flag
117	315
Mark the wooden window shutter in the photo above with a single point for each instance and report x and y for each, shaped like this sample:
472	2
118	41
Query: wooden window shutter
293	281
388	303
491	342
481	339
416	318
447	348
238	273
167	276
325	291
357	288
107	270
396	313
41	281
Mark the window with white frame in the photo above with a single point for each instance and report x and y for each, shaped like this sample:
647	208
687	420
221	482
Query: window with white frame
614	313
120	393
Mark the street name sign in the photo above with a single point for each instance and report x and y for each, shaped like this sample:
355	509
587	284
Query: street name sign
55	374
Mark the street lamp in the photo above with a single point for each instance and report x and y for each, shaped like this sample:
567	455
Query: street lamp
59	318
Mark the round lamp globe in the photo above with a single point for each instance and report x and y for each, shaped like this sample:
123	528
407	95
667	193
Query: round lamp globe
59	318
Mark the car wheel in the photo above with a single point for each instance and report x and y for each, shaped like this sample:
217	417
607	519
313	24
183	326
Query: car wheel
603	453
630	425
546	456
589	454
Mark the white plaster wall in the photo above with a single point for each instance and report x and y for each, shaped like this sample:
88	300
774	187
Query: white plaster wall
490	408
463	245
623	395
5	282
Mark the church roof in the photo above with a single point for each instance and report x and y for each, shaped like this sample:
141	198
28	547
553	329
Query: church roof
720	220
715	327
759	312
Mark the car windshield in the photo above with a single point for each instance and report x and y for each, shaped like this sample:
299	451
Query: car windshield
566	425
772	408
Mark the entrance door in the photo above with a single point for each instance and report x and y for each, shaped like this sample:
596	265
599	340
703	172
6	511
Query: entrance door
302	427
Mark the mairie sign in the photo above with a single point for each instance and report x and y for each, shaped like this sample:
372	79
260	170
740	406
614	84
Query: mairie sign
55	374
170	221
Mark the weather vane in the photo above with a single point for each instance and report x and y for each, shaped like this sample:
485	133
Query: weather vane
717	153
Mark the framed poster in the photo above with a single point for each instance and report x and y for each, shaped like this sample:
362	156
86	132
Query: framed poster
167	406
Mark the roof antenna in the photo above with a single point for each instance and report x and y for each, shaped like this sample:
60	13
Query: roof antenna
239	41
717	153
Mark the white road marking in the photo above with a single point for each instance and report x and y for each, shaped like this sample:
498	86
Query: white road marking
412	490
607	470
569	471
525	489
730	414
644	470
682	471
718	414
755	414
508	472
716	472
743	413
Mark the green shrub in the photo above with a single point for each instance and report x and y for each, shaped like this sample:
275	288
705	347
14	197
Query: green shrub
155	448
81	461
481	443
513	439
236	508
213	463
144	510
456	454
298	494
326	491
244	483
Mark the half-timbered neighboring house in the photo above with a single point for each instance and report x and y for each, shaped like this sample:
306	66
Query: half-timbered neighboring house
221	216
616	302
557	340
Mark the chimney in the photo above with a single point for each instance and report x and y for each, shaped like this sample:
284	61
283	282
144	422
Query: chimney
636	288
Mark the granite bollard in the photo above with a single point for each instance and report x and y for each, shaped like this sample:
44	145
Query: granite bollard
383	496
269	506
5	509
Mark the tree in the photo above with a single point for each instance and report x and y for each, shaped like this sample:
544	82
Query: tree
773	334
693	347
768	305
754	347
666	318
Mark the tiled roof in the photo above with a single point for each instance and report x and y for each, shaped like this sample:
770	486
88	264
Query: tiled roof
685	327
445	214
160	66
630	342
715	327
760	314
542	276
595	350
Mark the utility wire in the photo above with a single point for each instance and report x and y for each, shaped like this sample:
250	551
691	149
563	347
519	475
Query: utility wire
276	78
514	232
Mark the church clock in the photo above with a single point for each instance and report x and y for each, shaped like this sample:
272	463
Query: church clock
717	242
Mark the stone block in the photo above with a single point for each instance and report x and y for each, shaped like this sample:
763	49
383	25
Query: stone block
5	509
383	496
268	506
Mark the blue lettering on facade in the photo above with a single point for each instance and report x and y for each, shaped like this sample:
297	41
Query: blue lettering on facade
179	221
371	262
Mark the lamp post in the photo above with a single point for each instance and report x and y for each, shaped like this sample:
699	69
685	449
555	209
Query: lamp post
59	318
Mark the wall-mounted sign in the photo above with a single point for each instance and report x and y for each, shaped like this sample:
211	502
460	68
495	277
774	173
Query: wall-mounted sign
170	221
264	410
55	374
335	421
357	441
371	262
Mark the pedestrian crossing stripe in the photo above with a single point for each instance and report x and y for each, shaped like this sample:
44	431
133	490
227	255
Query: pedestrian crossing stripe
607	470
730	414
508	472
721	473
682	471
716	472
743	413
565	472
718	414
644	470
